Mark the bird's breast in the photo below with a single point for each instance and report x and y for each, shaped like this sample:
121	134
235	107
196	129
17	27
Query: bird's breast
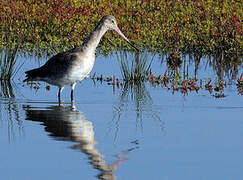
81	69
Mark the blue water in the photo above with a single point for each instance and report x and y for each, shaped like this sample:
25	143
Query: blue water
143	133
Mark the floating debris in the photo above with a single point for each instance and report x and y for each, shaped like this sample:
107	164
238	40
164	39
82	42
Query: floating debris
219	95
171	83
48	87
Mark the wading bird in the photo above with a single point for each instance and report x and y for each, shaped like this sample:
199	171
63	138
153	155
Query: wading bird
72	66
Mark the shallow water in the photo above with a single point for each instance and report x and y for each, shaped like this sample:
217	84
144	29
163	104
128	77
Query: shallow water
144	132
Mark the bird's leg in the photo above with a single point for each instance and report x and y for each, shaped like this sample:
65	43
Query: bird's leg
59	94
73	86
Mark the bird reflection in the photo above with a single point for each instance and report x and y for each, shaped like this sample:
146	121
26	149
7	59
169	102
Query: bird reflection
68	124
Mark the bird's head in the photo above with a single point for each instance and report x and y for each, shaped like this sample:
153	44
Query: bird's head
110	23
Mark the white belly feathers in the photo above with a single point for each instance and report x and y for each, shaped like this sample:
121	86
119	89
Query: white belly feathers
81	70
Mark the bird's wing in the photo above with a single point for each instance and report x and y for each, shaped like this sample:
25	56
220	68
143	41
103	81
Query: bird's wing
56	65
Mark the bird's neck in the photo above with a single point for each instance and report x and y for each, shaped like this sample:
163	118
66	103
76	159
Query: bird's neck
92	41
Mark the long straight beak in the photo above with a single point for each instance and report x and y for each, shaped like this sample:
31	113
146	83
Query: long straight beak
124	37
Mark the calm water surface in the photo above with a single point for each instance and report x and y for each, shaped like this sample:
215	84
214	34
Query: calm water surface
139	133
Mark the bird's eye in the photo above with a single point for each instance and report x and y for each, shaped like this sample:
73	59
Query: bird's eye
113	21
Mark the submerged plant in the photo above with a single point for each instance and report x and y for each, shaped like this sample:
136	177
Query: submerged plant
6	89
135	96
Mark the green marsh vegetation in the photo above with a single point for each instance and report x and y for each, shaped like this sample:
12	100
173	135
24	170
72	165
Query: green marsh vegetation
171	28
187	26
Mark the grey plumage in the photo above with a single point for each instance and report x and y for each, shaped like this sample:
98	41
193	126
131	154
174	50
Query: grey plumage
55	67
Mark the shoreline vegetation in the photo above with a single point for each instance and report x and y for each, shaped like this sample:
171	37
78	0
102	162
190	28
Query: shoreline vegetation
204	27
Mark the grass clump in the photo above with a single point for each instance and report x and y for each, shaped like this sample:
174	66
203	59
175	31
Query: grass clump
8	59
134	68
